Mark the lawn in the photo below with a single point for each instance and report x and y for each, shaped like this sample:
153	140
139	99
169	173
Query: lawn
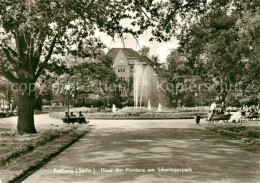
249	136
20	155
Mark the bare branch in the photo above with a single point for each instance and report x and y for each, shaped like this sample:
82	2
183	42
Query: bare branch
47	58
136	40
143	11
20	47
51	49
31	58
14	53
39	45
9	76
9	57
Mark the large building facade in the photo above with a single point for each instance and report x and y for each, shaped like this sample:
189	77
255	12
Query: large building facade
124	61
126	64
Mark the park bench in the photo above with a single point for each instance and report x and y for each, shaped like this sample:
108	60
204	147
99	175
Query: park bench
219	117
2	114
75	119
249	116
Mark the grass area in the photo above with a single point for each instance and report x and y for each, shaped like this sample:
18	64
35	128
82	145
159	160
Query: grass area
249	136
237	132
21	154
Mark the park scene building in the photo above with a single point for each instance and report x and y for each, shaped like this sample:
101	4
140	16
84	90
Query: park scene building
129	91
130	66
124	60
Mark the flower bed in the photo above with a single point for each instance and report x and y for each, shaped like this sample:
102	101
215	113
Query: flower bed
145	115
139	113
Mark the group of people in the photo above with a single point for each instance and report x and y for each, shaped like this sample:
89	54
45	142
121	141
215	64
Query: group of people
249	110
245	110
73	115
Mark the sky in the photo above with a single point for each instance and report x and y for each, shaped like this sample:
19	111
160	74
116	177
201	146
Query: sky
160	49
156	48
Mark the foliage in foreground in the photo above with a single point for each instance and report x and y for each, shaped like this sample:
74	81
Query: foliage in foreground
13	145
33	152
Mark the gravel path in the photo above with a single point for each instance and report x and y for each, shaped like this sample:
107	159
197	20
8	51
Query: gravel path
149	151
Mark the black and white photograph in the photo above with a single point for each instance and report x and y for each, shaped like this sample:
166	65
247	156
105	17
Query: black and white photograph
129	91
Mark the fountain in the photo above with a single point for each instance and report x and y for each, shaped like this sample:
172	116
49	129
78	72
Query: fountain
149	105
114	108
145	86
11	107
159	107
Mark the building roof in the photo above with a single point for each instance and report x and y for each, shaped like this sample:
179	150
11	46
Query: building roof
129	53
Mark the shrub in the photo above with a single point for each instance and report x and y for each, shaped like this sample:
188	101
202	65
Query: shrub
251	133
233	101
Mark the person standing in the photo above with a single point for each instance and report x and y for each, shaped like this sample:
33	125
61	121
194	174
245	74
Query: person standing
213	107
223	107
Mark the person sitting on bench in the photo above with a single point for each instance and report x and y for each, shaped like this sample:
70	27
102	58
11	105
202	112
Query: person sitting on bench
71	114
80	114
221	112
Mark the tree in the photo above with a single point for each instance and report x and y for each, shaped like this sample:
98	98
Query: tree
32	31
220	38
6	90
177	72
144	51
224	46
178	64
223	33
96	77
47	93
38	103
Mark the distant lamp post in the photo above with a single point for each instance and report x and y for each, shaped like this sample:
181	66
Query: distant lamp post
67	87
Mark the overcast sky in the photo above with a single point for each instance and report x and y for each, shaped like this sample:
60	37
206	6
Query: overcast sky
156	48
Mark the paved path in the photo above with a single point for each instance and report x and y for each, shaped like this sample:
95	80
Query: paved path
140	145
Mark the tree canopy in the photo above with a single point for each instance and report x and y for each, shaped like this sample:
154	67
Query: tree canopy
224	44
39	28
34	33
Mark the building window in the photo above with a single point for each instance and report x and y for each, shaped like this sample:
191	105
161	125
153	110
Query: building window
121	70
122	78
132	69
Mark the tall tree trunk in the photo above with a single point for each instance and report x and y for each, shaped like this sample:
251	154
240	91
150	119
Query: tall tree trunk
26	113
